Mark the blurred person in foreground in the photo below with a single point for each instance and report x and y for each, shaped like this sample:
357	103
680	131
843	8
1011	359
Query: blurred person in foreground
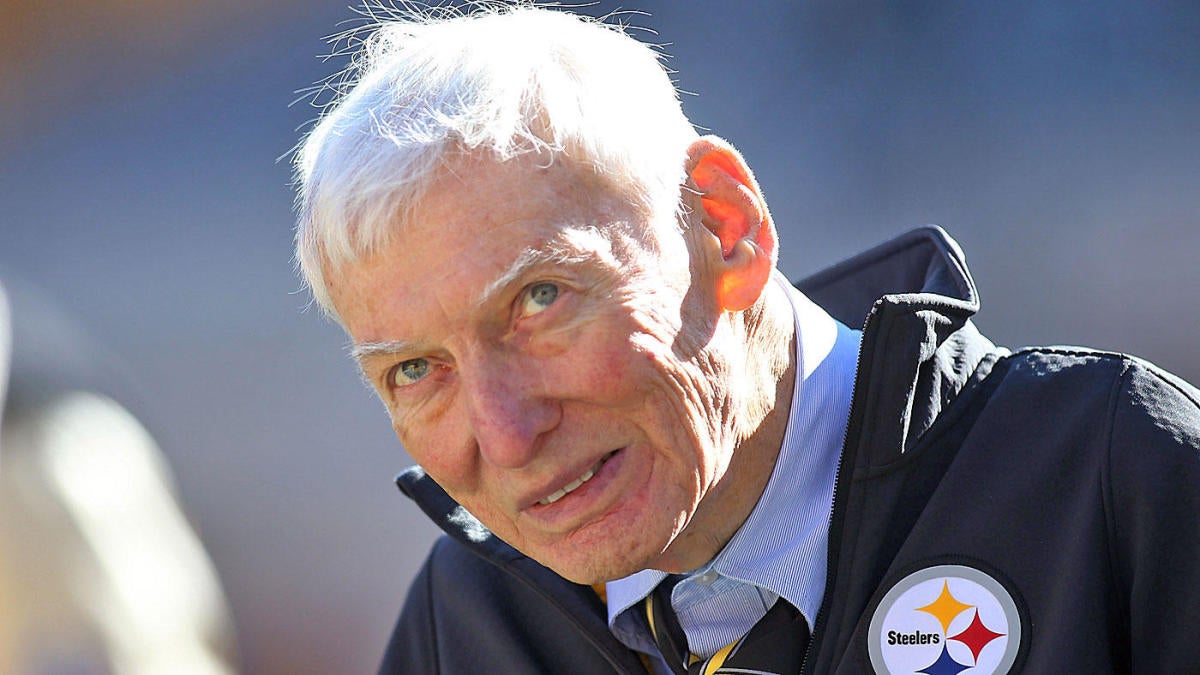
100	570
651	452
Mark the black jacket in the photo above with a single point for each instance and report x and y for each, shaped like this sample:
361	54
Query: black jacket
1069	477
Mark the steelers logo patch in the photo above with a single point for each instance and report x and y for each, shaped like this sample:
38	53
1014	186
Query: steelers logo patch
944	620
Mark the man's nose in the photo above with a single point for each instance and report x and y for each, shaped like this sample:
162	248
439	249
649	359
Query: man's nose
508	409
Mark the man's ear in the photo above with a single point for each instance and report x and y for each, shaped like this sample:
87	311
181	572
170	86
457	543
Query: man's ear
736	213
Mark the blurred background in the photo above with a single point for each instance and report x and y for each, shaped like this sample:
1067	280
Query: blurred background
145	241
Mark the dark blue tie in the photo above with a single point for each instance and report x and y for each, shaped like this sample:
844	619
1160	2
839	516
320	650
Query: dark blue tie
774	645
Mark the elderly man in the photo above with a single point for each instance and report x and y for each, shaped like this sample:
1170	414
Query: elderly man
651	453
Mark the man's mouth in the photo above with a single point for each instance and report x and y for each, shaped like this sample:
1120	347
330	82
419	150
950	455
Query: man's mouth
574	485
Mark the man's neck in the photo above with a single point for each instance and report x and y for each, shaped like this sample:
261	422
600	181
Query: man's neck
770	372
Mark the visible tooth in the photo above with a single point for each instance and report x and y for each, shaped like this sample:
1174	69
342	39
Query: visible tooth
570	487
554	497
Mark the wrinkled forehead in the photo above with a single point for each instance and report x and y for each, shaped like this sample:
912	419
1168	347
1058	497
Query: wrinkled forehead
529	179
481	225
474	201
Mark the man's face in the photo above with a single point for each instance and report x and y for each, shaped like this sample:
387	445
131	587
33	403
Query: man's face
553	360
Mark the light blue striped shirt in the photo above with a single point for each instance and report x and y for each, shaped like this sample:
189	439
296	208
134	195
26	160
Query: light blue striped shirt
781	549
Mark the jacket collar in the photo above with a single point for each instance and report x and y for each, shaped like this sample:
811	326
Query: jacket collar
914	298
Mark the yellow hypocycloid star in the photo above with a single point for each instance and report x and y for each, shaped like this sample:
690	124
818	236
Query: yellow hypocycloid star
945	608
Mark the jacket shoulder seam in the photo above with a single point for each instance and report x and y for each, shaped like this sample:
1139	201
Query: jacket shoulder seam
1073	351
1130	362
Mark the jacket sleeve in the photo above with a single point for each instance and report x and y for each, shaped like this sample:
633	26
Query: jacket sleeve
1154	508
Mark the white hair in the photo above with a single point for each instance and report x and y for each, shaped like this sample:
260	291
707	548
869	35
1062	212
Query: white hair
499	81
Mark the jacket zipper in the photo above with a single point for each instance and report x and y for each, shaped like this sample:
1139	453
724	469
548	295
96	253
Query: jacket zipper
838	514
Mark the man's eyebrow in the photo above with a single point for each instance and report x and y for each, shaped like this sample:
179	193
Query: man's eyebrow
568	246
366	350
564	248
528	259
553	252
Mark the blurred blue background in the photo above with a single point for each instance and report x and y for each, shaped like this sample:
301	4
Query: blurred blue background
142	190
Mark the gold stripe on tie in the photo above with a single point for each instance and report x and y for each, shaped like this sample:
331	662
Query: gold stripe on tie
718	659
650	618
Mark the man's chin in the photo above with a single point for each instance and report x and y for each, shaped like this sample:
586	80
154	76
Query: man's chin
590	570
603	552
590	575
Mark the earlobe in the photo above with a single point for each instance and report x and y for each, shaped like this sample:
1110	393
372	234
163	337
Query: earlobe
736	213
749	270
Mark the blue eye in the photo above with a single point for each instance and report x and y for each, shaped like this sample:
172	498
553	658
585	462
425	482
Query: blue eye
539	297
410	371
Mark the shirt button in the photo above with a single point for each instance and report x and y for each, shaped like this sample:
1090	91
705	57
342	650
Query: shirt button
707	578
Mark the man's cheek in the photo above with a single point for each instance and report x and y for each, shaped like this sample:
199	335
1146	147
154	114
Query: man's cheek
442	449
605	372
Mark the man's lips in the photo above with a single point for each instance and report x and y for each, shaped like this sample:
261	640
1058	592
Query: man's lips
575	484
